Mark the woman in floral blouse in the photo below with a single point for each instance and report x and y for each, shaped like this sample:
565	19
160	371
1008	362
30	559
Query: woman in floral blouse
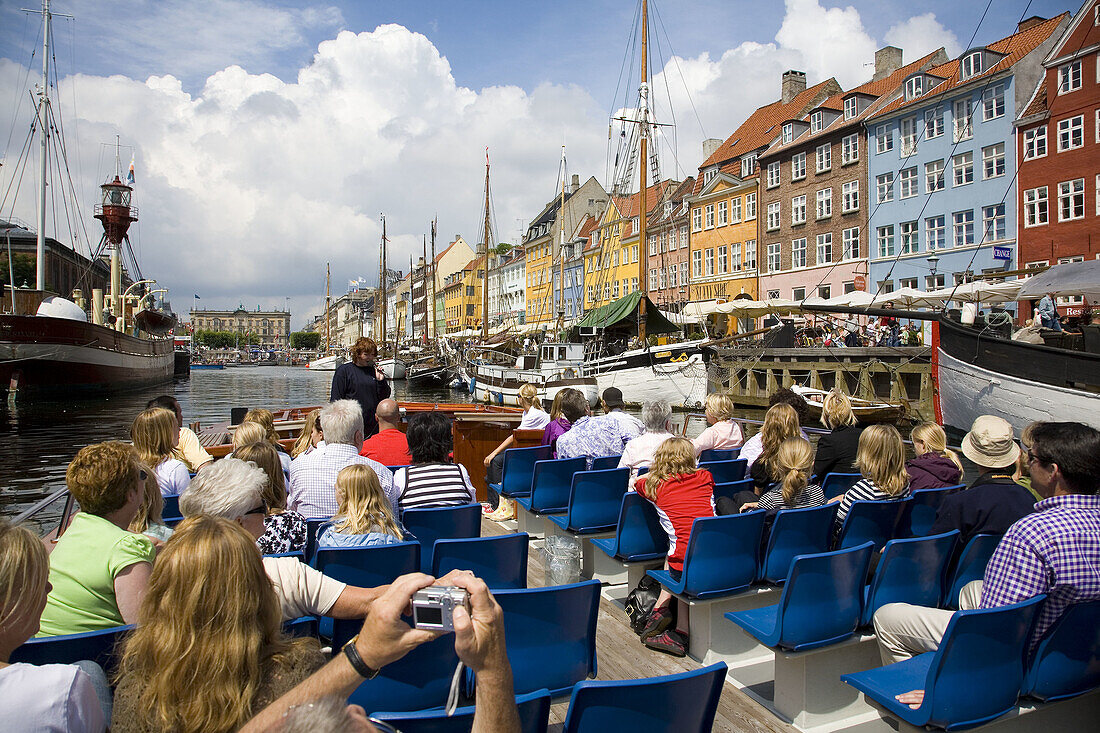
284	529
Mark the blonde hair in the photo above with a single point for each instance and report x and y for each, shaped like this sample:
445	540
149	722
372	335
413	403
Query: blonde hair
152	505
674	457
209	628
881	458
362	506
266	419
555	406
719	406
529	396
780	423
24	569
305	438
154	431
836	410
248	433
266	457
935	441
791	467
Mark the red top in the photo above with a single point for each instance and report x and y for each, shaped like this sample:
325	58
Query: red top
680	500
388	447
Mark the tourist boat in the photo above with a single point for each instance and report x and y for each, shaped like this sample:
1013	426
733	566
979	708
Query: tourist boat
207	365
432	370
327	363
393	367
866	411
556	366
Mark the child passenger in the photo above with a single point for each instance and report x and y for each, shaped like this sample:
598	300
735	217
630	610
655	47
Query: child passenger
881	460
363	515
790	470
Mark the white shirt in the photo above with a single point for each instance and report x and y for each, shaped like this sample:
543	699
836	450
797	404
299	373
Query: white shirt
639	452
754	446
313	479
173	478
534	419
302	590
51	697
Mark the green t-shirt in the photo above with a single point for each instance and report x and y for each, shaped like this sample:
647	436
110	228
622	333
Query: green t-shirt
83	566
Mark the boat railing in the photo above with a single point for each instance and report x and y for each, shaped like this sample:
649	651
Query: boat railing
42	504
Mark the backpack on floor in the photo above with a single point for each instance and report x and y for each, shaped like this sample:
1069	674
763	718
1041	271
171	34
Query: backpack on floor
640	602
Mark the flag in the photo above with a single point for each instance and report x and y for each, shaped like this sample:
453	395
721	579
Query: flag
130	175
197	297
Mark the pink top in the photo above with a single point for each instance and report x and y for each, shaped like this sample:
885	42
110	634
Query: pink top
724	435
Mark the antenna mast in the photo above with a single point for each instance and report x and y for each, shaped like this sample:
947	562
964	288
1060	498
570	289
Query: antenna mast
485	254
643	113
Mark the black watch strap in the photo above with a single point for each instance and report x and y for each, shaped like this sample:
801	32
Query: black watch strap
352	653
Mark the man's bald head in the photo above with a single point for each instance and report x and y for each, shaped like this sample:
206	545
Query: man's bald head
388	412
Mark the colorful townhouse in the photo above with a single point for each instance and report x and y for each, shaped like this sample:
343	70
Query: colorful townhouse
814	194
569	300
724	204
507	274
942	167
1058	154
667	250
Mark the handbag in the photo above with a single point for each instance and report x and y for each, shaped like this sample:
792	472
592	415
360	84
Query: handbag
640	602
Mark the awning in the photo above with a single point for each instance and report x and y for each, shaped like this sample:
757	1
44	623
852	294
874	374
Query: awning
624	313
978	291
1069	278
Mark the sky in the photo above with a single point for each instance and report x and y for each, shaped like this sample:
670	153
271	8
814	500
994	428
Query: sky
268	137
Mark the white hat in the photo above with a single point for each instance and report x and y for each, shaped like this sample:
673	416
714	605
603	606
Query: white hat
989	443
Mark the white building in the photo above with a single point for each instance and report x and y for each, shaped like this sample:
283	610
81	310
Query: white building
507	297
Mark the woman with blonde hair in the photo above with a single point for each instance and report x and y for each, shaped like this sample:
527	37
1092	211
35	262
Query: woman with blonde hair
209	660
559	423
149	519
155	434
780	423
836	450
50	697
311	436
935	466
284	529
363	515
722	432
534	418
791	473
248	433
881	460
681	492
266	420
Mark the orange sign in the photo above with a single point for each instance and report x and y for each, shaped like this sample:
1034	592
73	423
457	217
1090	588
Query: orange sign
860	282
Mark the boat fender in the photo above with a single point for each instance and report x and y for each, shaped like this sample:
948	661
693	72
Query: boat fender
473	386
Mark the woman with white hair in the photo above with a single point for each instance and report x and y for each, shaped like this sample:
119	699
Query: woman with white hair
638	452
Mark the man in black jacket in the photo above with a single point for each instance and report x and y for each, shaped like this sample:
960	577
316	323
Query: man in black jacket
362	380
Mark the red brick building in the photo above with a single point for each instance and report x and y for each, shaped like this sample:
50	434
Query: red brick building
667	250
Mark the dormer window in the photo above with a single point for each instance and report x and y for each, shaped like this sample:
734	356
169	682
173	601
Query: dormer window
748	165
816	120
788	133
634	225
709	175
668	208
914	87
971	65
850	108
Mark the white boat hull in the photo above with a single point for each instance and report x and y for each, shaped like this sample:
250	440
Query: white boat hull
326	363
392	368
676	373
496	385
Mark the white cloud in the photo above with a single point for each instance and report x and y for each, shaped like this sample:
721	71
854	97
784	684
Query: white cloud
921	35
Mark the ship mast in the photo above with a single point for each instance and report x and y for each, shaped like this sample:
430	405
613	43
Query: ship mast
435	315
328	307
561	245
485	254
44	131
643	113
382	283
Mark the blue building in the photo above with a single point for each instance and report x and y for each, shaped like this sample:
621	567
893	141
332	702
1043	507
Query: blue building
571	300
942	165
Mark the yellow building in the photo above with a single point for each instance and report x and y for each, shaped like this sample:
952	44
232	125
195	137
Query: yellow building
462	294
452	301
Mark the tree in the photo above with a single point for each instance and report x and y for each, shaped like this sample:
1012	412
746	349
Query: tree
217	339
503	248
308	340
24	270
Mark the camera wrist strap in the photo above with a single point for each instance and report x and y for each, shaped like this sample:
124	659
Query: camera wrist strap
452	696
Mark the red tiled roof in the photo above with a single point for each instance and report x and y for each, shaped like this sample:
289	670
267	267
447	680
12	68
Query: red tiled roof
588	224
628	205
1038	103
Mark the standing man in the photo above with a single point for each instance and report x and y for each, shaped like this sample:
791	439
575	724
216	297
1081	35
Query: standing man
362	380
1048	313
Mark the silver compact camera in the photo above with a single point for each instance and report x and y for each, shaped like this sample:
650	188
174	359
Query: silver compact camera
433	607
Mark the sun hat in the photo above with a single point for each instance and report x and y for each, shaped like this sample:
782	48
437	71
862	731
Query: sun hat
989	442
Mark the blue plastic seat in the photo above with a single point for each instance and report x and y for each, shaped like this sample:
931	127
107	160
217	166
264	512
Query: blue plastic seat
313	531
500	561
1067	660
973	678
595	498
101	647
820	604
604	462
730	488
911	570
171	508
534	716
419	680
835	484
302	627
441	523
870	521
721	556
675	703
796	532
368	567
919	515
638	534
726	471
550	485
293	553
551	635
720	454
395	469
970	566
519	466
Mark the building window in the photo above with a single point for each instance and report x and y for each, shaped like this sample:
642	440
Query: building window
697	264
993	223
933	123
824	203
850	108
1071	133
773	257
1069	77
750	254
910	243
773	174
723	213
850	243
709	175
1035	142
721	264
971	65
798	166
824	158
886	241
634	253
963	222
798	253
798	293
750	206
935	233
824	291
672	276
934	282
735	210
963	110
798	210
993	102
816	120
993	161
849	149
962	166
914	87
652	282
708	217
884	139
684	272
884	187
634	226
1071	199
652	245
824	248
773	215
788	133
908	282
683	237
735	257
885	286
697	219
908	135
907	181
748	165
615	286
933	176
850	196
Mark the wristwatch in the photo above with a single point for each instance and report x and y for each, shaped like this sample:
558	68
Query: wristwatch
352	653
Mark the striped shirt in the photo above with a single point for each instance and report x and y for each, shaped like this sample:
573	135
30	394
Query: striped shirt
432	485
863	490
811	496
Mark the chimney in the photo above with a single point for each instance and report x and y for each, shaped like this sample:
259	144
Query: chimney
709	146
887	61
794	83
1031	22
575	184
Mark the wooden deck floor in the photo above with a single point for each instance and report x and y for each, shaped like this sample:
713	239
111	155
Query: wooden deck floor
621	656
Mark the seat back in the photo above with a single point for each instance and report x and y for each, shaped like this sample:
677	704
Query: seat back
595	498
918	516
534	716
313	529
420	679
870	521
823	597
500	561
304	627
368	567
976	674
604	462
796	532
1067	660
675	703
171	508
971	565
720	454
721	554
726	471
551	635
551	485
835	484
519	468
102	647
441	523
912	570
639	535
730	488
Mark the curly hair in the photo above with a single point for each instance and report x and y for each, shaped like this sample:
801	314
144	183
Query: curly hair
789	397
674	457
429	437
101	475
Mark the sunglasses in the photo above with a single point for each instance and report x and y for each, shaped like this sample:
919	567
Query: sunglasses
261	509
142	474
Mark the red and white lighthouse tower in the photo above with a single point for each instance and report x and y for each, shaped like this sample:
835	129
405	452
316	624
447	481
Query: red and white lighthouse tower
115	213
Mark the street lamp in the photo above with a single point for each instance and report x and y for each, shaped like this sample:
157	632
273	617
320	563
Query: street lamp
933	262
